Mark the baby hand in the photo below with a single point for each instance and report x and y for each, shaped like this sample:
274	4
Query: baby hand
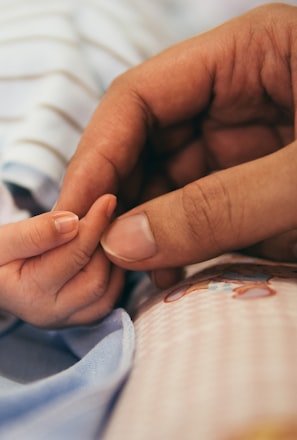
53	272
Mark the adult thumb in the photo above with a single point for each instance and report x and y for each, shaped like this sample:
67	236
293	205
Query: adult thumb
225	211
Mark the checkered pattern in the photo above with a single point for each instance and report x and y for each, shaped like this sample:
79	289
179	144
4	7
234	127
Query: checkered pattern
208	365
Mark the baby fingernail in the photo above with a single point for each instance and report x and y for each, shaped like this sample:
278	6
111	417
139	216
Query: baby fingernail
65	222
130	239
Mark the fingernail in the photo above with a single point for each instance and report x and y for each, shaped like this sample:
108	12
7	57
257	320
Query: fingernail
112	203
130	239
65	222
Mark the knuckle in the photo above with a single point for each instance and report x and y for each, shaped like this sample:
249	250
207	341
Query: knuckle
31	239
81	257
208	211
97	287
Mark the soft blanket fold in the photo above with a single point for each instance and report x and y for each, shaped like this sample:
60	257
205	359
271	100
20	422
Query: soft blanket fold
71	403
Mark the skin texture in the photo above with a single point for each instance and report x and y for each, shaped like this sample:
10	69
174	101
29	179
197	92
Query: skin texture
49	274
200	140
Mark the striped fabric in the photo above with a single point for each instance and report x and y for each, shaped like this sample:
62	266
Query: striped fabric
56	60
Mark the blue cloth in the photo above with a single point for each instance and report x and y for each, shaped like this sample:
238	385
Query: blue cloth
62	384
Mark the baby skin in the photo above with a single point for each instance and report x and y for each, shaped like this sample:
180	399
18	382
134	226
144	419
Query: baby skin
53	272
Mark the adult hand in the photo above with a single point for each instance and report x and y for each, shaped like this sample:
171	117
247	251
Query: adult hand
209	123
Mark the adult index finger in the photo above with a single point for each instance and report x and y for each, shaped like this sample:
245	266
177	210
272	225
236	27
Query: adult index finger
157	93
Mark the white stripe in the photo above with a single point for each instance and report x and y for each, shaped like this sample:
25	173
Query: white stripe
31	58
57	25
44	126
50	90
66	74
12	10
56	59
